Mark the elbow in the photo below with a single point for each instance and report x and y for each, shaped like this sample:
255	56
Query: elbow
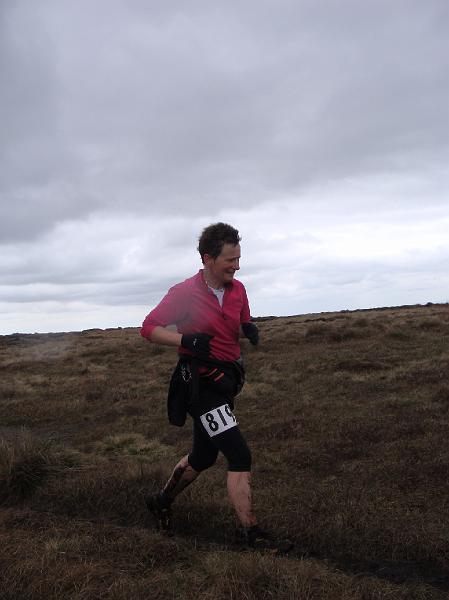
146	331
143	333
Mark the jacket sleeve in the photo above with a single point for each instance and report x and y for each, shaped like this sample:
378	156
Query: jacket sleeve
170	310
245	315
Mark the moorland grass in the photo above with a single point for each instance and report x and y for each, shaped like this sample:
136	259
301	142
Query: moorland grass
347	417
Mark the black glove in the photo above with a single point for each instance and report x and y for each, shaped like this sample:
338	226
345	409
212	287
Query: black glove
251	332
199	343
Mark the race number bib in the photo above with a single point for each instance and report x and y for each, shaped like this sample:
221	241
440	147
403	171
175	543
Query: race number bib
217	420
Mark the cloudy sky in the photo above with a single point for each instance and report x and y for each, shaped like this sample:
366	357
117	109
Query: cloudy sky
318	128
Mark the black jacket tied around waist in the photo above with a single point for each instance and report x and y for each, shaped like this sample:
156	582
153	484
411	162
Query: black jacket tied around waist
183	391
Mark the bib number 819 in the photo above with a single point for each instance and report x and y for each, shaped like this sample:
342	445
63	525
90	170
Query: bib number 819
217	420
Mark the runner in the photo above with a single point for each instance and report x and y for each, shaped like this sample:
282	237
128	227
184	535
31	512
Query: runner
210	311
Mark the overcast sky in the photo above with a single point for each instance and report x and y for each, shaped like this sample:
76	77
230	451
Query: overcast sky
318	128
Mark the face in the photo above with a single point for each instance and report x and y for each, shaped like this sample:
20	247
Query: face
221	270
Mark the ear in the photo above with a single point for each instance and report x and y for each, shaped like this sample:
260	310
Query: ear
207	259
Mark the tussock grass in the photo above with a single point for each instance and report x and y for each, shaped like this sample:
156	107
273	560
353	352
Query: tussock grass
135	445
347	417
26	462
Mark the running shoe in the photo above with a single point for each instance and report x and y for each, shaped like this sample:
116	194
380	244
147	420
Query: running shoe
258	539
162	512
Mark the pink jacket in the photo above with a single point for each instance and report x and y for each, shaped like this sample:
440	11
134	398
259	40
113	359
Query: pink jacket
194	308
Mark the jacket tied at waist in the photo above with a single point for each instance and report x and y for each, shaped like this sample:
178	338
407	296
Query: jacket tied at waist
184	386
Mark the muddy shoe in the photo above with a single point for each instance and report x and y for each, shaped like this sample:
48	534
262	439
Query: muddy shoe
162	512
254	537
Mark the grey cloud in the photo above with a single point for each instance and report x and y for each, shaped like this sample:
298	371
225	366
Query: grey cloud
126	128
157	108
119	293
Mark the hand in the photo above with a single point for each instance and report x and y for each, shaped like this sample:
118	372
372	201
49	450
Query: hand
199	343
251	332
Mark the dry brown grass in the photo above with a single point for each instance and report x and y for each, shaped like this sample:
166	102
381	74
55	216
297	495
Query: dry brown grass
347	416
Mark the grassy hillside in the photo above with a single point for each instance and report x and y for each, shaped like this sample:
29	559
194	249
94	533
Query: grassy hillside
347	416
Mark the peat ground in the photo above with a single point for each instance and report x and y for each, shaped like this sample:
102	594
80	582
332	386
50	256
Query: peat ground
347	416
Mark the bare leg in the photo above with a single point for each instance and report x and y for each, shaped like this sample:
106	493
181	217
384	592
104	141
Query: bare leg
182	476
239	490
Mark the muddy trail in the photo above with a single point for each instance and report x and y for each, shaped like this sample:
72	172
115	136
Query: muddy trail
400	572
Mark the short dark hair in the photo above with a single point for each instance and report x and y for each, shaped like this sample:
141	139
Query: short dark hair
213	238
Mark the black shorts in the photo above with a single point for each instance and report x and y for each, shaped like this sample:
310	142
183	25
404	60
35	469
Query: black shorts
215	428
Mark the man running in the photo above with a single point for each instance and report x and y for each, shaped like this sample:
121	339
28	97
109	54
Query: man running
210	311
